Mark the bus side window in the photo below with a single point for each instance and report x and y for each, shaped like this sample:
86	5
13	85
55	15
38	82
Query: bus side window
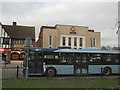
66	59
110	59
31	64
95	59
32	56
115	59
63	60
51	58
56	57
69	60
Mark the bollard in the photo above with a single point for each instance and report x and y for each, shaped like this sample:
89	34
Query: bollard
17	71
5	63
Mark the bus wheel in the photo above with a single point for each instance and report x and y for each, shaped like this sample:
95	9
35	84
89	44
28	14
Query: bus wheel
107	71
50	72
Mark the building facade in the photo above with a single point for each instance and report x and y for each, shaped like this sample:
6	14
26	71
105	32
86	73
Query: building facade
68	35
5	42
13	37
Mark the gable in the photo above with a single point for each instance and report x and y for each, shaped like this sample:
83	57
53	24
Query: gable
20	31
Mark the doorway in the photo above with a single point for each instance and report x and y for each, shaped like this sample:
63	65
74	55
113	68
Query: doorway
81	64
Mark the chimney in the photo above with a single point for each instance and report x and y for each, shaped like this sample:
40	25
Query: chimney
14	23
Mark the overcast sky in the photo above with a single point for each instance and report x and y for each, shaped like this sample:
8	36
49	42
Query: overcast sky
100	16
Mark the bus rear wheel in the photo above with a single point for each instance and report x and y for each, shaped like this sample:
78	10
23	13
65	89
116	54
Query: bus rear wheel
50	72
107	71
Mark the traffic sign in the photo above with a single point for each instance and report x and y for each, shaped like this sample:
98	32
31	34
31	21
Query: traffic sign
28	41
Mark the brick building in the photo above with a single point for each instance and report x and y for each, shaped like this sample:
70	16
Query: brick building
68	35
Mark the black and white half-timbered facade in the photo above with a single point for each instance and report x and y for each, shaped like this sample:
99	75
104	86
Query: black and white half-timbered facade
12	39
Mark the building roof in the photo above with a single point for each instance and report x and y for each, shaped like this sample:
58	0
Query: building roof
54	27
49	27
70	25
15	31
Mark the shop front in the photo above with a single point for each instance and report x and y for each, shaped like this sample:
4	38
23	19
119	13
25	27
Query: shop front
5	55
17	54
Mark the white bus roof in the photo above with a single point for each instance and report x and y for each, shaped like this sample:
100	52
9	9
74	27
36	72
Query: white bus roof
88	51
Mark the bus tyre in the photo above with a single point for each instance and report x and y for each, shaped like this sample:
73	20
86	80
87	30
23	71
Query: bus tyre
50	72
107	71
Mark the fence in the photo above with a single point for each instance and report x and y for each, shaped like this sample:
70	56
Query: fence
12	72
17	72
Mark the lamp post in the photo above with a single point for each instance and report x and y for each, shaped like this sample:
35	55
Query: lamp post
28	42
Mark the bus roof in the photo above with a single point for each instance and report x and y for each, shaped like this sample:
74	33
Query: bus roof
88	51
84	50
43	49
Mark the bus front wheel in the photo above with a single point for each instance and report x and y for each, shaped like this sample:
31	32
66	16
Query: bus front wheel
50	72
107	71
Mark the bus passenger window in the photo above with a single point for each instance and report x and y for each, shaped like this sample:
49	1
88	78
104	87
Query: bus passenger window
56	57
69	60
108	59
95	59
116	60
32	57
91	60
63	59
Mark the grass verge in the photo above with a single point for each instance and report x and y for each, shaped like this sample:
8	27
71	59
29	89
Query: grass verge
61	83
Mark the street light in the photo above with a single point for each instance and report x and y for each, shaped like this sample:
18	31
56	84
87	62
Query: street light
28	42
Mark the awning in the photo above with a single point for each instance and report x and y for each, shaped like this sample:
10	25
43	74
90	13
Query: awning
4	50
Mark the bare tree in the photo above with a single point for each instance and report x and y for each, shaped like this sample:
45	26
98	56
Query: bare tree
103	48
106	48
115	48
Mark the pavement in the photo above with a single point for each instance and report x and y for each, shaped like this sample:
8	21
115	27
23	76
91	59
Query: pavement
12	64
10	70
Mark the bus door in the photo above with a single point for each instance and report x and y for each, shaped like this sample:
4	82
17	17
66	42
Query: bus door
35	64
81	64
